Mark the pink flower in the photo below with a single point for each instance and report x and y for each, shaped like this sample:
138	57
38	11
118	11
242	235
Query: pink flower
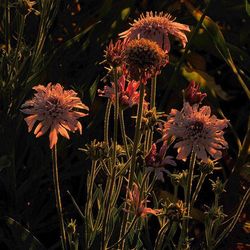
192	93
114	53
144	59
53	108
195	129
157	27
128	94
156	161
138	206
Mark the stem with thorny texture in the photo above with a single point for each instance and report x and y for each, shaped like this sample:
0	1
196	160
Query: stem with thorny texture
133	158
112	167
198	188
58	197
123	131
188	192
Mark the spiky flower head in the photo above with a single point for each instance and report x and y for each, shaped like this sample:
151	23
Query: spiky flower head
157	27
114	53
195	129
144	59
138	206
176	211
96	150
127	92
156	161
192	93
54	108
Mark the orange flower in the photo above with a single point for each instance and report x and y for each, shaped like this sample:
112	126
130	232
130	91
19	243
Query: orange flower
156	27
139	206
53	108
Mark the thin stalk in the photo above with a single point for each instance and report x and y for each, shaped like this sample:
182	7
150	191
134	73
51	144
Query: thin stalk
229	228
89	203
7	26
106	122
161	235
123	130
112	168
126	234
20	34
137	138
188	193
198	188
58	198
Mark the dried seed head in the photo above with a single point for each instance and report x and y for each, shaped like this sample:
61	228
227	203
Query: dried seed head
176	211
218	186
96	150
144	59
207	167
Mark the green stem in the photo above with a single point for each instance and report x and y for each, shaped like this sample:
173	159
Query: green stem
198	188
89	203
235	219
58	197
125	235
20	34
188	192
161	235
124	136
106	122
113	165
133	157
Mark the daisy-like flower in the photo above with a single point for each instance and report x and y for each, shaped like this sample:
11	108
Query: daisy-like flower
139	206
53	108
127	92
114	53
192	93
156	161
144	59
195	129
157	27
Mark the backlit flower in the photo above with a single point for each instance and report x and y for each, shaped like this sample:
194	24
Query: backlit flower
144	59
157	27
53	108
192	93
114	53
156	161
195	129
127	92
138	206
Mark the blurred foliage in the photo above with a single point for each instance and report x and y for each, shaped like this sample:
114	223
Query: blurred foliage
63	41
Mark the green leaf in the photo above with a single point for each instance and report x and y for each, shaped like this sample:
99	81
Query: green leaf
247	7
18	237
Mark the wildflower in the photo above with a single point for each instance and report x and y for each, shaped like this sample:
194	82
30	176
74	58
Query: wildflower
195	129
127	92
156	161
144	59
218	186
207	167
53	108
157	27
96	150
114	53
25	7
192	93
139	206
176	211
